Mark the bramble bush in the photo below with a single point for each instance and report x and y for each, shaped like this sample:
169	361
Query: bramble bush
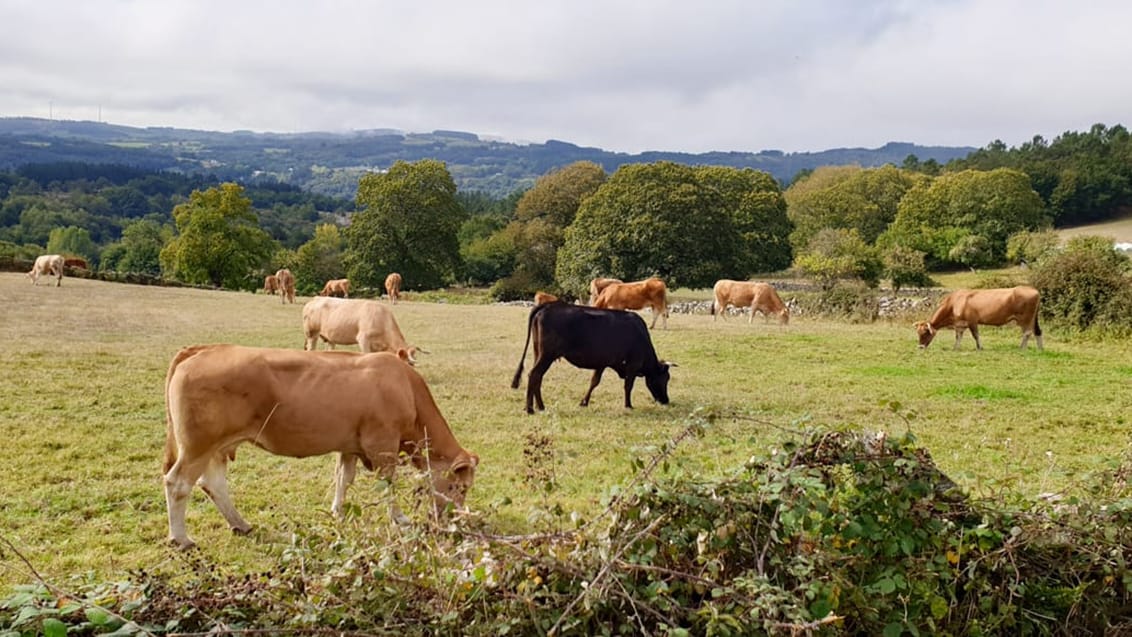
1086	287
836	532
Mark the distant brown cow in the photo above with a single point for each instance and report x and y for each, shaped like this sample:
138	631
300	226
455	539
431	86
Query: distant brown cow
347	321
76	262
650	293
47	264
270	284
756	295
393	287
286	282
336	287
599	284
968	309
544	297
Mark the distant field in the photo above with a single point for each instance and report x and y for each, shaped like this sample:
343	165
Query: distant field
81	412
1120	230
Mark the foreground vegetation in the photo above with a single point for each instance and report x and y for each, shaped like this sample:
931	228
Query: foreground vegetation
83	503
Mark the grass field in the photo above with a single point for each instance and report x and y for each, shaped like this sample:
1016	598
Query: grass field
82	415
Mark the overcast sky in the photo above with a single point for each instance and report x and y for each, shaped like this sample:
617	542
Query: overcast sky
674	75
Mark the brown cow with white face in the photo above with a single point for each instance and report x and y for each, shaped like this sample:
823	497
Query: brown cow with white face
759	296
650	293
393	287
368	407
968	309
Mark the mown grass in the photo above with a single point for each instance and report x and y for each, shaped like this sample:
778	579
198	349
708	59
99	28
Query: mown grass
82	414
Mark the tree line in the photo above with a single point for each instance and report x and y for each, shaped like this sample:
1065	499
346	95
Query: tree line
688	224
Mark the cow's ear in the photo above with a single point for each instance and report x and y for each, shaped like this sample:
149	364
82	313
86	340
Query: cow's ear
406	355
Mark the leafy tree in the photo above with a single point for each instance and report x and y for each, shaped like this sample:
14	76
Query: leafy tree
973	251
139	250
935	217
320	259
73	241
650	219
407	222
491	258
1028	246
905	267
758	214
850	197
836	253
1086	285
218	240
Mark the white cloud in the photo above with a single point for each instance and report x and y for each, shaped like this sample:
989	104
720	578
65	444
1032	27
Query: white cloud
623	75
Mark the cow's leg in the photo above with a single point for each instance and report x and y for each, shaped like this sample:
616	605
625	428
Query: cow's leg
975	334
593	383
958	337
344	473
629	378
214	481
179	482
534	383
383	453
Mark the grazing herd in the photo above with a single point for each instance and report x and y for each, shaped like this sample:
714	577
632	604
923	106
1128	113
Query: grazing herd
373	407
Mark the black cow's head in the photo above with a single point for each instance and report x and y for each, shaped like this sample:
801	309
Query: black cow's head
657	382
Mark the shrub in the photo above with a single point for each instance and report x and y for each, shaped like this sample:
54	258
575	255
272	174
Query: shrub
1030	246
1086	286
905	268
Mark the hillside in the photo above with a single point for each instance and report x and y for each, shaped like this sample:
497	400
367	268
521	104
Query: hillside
329	163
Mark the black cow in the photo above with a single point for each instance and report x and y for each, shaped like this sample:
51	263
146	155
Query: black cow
592	338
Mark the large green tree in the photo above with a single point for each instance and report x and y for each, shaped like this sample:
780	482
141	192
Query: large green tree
218	240
320	259
139	250
407	222
664	219
73	241
958	212
755	203
850	198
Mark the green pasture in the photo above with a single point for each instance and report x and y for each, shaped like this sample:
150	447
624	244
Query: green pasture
82	415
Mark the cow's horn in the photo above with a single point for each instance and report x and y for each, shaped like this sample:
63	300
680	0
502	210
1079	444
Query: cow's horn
670	364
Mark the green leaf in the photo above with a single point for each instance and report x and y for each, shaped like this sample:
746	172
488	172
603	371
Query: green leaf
54	628
97	616
895	629
940	607
885	587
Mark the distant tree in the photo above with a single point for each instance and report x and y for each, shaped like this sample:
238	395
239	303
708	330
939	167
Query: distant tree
904	267
650	219
139	250
849	197
407	222
218	240
934	218
834	254
73	241
755	203
1086	285
973	251
1028	246
320	259
491	258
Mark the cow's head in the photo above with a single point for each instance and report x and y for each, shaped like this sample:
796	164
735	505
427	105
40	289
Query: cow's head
657	382
450	485
926	333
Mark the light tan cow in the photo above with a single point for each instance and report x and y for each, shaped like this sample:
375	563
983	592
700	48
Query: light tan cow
759	296
599	284
286	282
650	293
336	287
968	309
368	407
270	284
347	321
544	297
49	265
393	287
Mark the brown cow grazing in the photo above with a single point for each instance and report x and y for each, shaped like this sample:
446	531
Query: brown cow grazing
759	296
368	407
650	293
544	297
336	287
270	284
78	263
393	287
49	265
347	321
286	282
599	284
968	309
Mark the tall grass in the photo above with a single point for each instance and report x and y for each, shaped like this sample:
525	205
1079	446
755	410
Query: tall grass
82	414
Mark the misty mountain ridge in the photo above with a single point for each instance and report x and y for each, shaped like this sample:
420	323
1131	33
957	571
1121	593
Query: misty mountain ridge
330	163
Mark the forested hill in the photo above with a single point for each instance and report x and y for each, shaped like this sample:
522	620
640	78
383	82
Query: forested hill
330	163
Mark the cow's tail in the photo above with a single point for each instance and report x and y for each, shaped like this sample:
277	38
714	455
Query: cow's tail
1037	328
712	310
170	436
530	324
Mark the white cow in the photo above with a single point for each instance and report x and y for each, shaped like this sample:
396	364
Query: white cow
347	321
50	265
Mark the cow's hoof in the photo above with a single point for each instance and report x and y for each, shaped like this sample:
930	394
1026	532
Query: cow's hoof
241	530
183	545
